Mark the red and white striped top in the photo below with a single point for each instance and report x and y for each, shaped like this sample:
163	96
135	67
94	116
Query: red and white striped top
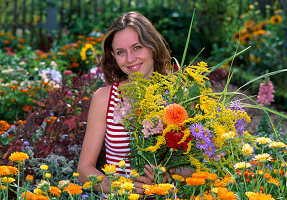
117	138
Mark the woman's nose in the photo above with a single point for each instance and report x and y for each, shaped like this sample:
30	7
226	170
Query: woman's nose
130	57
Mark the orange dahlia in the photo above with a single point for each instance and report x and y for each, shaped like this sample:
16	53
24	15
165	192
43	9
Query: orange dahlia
174	114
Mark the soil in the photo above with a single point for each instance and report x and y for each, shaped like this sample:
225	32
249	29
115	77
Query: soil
254	113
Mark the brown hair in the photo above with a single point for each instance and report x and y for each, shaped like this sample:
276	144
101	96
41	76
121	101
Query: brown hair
148	36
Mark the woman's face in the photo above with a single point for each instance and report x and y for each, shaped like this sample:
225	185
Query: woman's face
130	54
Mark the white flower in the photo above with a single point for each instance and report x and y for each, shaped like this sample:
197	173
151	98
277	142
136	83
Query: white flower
42	63
53	64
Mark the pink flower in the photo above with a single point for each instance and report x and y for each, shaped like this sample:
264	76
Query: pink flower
265	95
151	128
121	111
67	72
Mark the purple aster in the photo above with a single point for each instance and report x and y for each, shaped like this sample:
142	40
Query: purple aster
204	142
197	130
240	126
236	105
210	152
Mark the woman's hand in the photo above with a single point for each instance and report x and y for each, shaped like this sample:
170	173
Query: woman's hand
139	182
149	171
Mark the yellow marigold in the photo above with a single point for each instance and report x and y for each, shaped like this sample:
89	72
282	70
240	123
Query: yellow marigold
74	189
174	114
76	174
194	181
276	19
47	175
242	165
128	186
228	135
18	156
109	169
263	140
134	173
55	191
133	196
44	167
7	180
247	149
263	157
277	145
122	164
38	191
274	181
177	177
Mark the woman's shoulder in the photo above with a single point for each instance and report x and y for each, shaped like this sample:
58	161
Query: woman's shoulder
102	94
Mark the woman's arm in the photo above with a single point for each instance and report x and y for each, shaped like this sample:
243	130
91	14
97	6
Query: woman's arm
94	137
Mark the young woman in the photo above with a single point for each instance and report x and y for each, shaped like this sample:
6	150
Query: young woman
131	44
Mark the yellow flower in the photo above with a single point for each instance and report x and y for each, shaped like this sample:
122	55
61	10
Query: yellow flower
247	149
7	179
263	140
85	49
177	177
87	185
38	191
76	174
18	156
277	145
228	135
134	173
47	175
133	196
276	19
44	167
258	196
242	165
109	169
122	164
263	157
128	186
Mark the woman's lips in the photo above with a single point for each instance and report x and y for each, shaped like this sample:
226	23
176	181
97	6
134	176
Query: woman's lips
135	67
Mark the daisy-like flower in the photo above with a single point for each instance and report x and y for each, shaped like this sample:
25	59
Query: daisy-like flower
257	195
274	181
174	114
263	157
247	149
29	178
276	145
18	156
242	165
44	185
133	196
109	169
194	181
202	175
228	135
263	140
44	167
177	177
87	185
8	170
74	189
223	193
7	179
134	173
196	130
122	164
76	174
127	186
63	183
54	191
276	19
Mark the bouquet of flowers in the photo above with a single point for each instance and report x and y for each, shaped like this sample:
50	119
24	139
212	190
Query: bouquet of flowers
177	121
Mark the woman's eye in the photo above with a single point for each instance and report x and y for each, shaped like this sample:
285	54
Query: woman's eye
119	53
138	47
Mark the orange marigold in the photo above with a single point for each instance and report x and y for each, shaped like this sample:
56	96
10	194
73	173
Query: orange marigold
8	170
224	194
203	175
18	156
194	181
54	191
73	189
4	126
174	114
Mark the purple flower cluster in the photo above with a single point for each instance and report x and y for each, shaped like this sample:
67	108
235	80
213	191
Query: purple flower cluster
265	95
203	138
240	124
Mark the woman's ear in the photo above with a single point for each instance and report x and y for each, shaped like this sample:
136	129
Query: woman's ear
113	54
